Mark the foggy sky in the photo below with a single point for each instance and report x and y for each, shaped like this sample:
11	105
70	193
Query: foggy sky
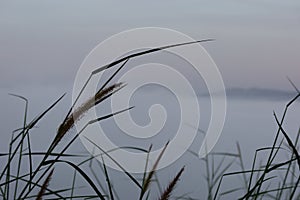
43	43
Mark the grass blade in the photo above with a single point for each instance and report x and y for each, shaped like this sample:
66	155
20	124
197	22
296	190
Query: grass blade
116	162
84	175
107	180
288	140
151	173
125	60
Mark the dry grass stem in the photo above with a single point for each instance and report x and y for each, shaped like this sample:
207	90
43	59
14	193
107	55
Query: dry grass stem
44	186
167	193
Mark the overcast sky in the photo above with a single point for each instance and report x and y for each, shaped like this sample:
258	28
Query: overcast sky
43	43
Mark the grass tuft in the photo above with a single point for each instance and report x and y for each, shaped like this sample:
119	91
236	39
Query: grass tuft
21	178
167	193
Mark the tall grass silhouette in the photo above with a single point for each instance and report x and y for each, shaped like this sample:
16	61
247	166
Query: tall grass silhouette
35	182
44	170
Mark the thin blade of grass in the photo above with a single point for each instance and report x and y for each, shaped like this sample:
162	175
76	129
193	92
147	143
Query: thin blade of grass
28	127
20	156
288	140
147	52
146	165
160	189
112	150
242	164
254	162
73	185
53	154
260	180
97	179
66	147
150	175
38	118
81	172
56	193
113	189
116	162
295	188
7	186
231	191
2	194
214	182
272	190
292	83
276	166
21	147
298	179
231	174
107	180
125	60
79	197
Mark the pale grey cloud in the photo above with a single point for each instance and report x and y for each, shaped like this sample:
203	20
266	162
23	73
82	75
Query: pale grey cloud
45	42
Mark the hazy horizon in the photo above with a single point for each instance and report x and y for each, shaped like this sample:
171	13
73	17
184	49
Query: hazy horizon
256	42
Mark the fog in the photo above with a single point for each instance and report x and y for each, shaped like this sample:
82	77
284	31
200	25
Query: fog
256	47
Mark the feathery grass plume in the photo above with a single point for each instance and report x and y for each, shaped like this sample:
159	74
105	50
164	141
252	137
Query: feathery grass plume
44	186
167	193
79	112
148	179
